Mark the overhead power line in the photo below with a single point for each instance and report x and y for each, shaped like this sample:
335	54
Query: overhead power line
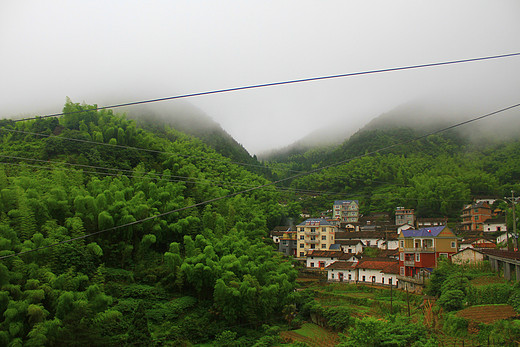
226	161
145	175
273	84
261	186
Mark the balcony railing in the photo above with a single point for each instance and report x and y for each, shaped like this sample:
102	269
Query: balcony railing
312	241
312	233
409	263
415	279
420	250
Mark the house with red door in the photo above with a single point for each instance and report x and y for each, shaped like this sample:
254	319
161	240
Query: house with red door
419	253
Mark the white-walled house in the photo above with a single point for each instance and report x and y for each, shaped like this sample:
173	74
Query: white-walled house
494	224
342	271
368	238
502	238
468	256
321	259
378	271
351	246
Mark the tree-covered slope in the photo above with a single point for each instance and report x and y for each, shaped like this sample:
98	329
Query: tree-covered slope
179	269
435	175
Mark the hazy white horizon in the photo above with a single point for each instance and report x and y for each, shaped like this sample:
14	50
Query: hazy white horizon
120	51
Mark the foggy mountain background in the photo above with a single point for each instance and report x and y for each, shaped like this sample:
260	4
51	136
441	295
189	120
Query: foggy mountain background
110	53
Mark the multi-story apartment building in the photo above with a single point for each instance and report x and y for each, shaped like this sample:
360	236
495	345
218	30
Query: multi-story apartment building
419	251
314	233
474	216
404	216
346	210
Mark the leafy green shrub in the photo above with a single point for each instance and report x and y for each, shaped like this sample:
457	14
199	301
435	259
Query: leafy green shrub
514	298
454	325
497	293
451	300
338	318
371	331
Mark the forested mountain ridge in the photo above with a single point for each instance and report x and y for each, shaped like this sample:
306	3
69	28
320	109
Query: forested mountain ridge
435	175
165	277
191	121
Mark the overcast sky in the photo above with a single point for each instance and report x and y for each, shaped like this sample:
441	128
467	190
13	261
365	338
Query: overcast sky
108	52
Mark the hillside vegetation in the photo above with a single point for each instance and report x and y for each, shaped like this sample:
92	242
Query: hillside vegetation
436	175
180	270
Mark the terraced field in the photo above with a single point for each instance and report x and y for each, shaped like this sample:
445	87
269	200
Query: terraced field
311	334
487	314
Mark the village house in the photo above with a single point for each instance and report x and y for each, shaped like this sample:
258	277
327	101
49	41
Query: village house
404	216
495	224
378	271
468	256
504	237
314	234
419	251
351	246
346	210
321	259
376	239
285	238
342	271
477	242
431	222
474	216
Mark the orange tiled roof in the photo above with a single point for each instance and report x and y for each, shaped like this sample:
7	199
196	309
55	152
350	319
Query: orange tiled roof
341	265
376	263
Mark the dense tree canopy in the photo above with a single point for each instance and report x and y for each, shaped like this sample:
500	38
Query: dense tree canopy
203	265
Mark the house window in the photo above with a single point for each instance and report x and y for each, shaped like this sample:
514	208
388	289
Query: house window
401	271
401	256
417	256
313	246
322	264
323	245
401	243
332	275
312	264
349	277
383	280
363	278
301	254
443	255
302	237
453	244
350	250
323	237
301	245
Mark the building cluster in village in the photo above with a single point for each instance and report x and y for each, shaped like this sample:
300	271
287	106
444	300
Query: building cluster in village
407	248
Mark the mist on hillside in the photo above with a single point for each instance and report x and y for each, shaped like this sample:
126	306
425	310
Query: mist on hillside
435	113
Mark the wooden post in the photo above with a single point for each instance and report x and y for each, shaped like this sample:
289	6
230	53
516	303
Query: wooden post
391	297
407	299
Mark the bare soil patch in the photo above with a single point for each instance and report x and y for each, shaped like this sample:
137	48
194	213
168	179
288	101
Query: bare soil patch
487	313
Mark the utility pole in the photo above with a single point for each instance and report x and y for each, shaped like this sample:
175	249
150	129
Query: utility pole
513	202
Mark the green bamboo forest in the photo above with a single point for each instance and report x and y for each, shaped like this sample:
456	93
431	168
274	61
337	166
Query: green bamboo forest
116	231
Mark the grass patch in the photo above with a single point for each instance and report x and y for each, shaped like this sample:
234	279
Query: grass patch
486	280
